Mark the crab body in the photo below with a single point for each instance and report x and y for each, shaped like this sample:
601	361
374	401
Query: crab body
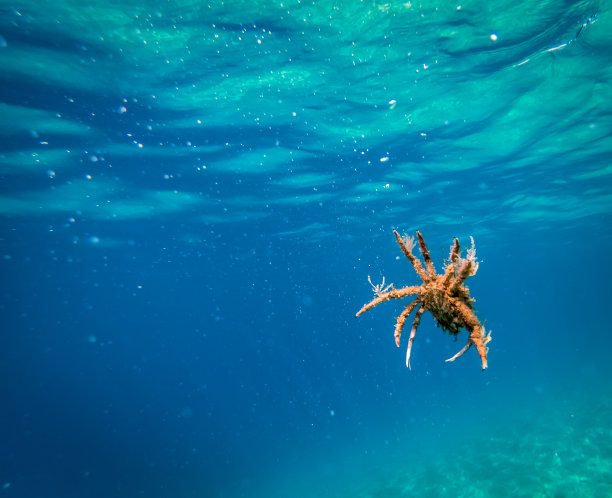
445	296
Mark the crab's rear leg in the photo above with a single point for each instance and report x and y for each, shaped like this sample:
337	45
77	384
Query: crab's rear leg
460	353
479	339
415	324
478	336
401	320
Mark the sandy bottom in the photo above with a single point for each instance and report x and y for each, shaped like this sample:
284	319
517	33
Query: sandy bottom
555	448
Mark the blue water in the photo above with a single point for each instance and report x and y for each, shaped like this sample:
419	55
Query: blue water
192	198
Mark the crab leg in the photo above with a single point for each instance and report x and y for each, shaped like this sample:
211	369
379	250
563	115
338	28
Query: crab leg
477	333
451	267
479	339
464	272
415	324
454	254
401	320
426	256
413	260
467	346
393	294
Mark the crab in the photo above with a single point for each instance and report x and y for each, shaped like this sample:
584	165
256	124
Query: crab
445	296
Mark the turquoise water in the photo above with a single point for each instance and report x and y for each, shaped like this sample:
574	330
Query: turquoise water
192	199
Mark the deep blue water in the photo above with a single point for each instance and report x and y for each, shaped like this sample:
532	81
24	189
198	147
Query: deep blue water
192	198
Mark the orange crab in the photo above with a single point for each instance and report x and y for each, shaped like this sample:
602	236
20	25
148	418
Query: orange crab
445	296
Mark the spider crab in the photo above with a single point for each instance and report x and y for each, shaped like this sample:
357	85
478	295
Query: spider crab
445	296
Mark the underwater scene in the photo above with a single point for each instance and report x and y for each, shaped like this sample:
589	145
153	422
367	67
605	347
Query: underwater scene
198	198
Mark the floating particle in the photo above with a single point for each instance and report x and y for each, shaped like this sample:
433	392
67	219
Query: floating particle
493	37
